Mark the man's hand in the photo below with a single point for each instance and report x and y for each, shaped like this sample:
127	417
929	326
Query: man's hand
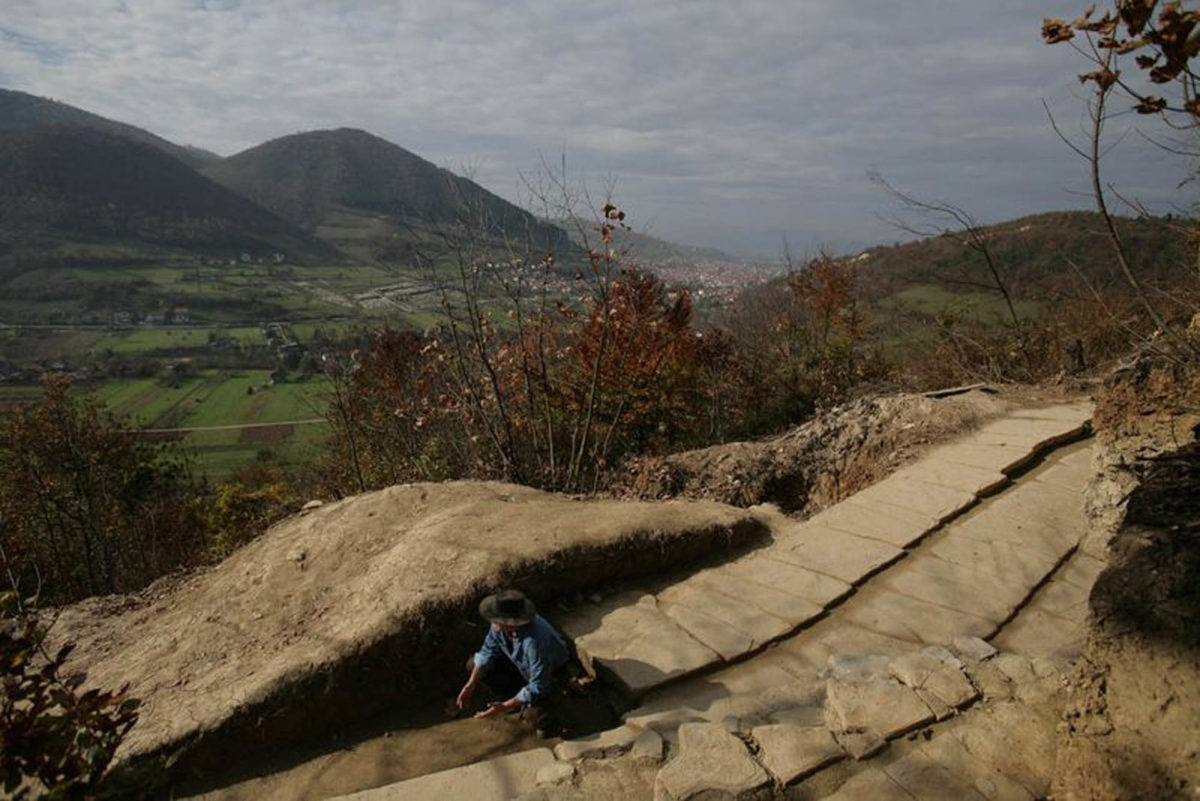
496	707
464	696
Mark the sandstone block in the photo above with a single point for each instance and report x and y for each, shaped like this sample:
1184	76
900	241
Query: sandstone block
712	760
879	705
790	752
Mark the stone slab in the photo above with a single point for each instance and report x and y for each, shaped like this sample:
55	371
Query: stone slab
954	586
984	779
1012	564
835	553
718	635
791	752
899	527
603	744
947	684
1015	743
718	596
839	636
632	638
1081	570
901	617
762	568
712	760
554	774
883	706
966	478
648	745
496	779
1036	633
1042	432
870	785
1038	535
860	744
931	500
974	453
926	780
791	609
736	691
973	649
1064	600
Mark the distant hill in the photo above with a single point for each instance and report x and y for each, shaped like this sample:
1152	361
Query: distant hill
1032	253
71	183
331	181
20	111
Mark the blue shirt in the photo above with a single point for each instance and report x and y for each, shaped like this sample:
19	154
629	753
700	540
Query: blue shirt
536	650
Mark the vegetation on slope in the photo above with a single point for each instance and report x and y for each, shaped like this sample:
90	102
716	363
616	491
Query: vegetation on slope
20	111
65	183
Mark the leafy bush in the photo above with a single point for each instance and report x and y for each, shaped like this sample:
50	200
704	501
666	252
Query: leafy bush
54	742
86	506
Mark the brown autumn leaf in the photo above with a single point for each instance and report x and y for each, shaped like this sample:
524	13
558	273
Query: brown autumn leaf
1055	31
1104	78
1146	62
1129	45
1135	14
1193	106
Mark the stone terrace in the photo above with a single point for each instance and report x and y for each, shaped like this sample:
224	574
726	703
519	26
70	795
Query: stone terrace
803	665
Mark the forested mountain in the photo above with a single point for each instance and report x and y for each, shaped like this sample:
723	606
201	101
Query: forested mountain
311	178
67	182
21	111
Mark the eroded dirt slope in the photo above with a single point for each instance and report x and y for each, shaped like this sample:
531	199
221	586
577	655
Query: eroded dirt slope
331	616
830	457
1132	726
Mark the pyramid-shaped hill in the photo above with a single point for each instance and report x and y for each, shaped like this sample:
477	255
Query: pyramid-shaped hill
65	183
20	111
309	178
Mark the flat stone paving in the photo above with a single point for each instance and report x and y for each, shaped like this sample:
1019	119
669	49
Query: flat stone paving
931	583
852	613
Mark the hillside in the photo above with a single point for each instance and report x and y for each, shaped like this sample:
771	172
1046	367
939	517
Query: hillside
20	111
347	184
1031	251
69	183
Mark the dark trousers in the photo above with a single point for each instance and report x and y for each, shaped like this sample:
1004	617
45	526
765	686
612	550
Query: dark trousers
503	680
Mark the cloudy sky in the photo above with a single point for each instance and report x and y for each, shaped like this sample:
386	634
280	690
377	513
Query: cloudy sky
733	124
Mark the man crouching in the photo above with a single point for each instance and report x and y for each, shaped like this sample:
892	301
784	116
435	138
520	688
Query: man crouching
518	661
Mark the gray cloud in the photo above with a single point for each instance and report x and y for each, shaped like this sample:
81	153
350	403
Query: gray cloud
728	124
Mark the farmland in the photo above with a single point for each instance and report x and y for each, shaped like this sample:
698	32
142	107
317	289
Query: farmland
228	418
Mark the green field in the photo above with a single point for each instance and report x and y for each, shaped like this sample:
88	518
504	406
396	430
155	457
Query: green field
222	408
983	306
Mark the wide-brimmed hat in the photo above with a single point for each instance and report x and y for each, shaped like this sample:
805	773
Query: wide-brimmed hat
508	608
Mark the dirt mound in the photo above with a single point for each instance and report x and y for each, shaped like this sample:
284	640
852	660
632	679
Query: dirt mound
359	606
816	464
1132	730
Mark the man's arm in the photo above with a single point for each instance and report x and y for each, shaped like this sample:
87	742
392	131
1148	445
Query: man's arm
481	661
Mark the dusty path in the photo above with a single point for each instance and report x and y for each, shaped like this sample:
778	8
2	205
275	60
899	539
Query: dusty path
763	675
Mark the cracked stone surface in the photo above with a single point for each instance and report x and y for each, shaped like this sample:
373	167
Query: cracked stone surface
710	760
924	672
606	743
636	641
879	705
790	752
835	553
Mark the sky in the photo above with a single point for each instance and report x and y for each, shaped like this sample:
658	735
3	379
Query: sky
739	125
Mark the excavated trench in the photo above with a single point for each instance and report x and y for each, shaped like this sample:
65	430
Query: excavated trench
396	688
386	748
